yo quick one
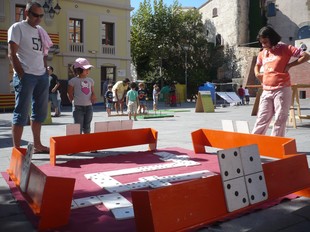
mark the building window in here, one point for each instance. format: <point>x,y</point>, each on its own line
<point>108,76</point>
<point>218,39</point>
<point>214,12</point>
<point>107,33</point>
<point>20,13</point>
<point>271,9</point>
<point>75,30</point>
<point>304,32</point>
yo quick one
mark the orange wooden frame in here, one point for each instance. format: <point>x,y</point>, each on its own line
<point>192,204</point>
<point>52,206</point>
<point>276,147</point>
<point>104,140</point>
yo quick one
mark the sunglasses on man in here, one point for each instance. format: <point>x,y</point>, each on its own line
<point>36,15</point>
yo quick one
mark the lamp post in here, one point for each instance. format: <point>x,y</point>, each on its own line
<point>185,50</point>
<point>50,10</point>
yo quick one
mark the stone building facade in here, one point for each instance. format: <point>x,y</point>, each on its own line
<point>231,23</point>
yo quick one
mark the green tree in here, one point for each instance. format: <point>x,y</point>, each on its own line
<point>164,39</point>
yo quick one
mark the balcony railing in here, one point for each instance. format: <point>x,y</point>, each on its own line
<point>108,49</point>
<point>76,47</point>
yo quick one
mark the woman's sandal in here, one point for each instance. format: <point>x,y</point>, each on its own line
<point>43,150</point>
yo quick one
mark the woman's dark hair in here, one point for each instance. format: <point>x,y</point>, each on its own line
<point>51,68</point>
<point>270,33</point>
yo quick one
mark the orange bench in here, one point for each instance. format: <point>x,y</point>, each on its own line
<point>7,101</point>
<point>42,193</point>
<point>69,144</point>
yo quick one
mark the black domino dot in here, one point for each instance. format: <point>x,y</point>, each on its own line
<point>264,194</point>
<point>226,173</point>
<point>252,197</point>
<point>251,158</point>
<point>223,156</point>
<point>238,170</point>
<point>243,200</point>
<point>228,186</point>
<point>260,177</point>
<point>250,180</point>
<point>236,193</point>
<point>235,153</point>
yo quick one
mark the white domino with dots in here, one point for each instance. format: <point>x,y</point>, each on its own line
<point>235,194</point>
<point>87,201</point>
<point>114,200</point>
<point>242,171</point>
<point>123,213</point>
<point>230,163</point>
<point>256,187</point>
<point>254,175</point>
<point>250,159</point>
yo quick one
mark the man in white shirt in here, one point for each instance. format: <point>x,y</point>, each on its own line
<point>30,80</point>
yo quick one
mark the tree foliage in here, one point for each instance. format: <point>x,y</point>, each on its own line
<point>162,37</point>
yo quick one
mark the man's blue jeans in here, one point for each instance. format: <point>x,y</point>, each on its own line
<point>30,89</point>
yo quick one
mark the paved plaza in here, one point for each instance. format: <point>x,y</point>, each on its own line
<point>174,131</point>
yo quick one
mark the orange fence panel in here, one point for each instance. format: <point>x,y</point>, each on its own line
<point>276,147</point>
<point>104,140</point>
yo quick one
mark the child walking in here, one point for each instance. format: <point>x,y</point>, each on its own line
<point>156,92</point>
<point>132,101</point>
<point>142,98</point>
<point>82,95</point>
<point>109,99</point>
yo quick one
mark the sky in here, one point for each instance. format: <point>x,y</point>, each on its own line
<point>184,3</point>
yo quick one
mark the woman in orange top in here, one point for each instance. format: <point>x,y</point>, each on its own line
<point>271,69</point>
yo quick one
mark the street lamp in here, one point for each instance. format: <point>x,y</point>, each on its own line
<point>50,10</point>
<point>186,48</point>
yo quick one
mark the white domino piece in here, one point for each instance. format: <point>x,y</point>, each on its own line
<point>117,189</point>
<point>186,176</point>
<point>73,129</point>
<point>105,181</point>
<point>100,127</point>
<point>243,127</point>
<point>235,194</point>
<point>228,125</point>
<point>123,213</point>
<point>154,181</point>
<point>74,205</point>
<point>114,125</point>
<point>230,163</point>
<point>87,201</point>
<point>114,200</point>
<point>137,185</point>
<point>250,159</point>
<point>126,124</point>
<point>256,187</point>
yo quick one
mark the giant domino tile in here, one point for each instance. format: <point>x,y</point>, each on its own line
<point>243,177</point>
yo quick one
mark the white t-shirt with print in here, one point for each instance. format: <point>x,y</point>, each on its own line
<point>30,51</point>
